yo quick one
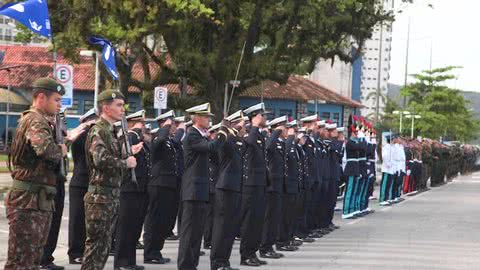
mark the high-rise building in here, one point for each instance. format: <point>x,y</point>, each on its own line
<point>8,31</point>
<point>376,67</point>
<point>336,76</point>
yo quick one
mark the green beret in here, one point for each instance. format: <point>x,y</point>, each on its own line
<point>110,95</point>
<point>49,84</point>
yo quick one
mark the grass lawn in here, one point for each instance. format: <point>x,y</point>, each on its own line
<point>3,163</point>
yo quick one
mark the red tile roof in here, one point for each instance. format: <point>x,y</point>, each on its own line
<point>37,61</point>
<point>300,89</point>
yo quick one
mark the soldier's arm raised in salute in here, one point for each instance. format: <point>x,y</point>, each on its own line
<point>40,136</point>
<point>198,143</point>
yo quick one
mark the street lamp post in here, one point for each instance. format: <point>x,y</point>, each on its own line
<point>97,72</point>
<point>413,117</point>
<point>401,113</point>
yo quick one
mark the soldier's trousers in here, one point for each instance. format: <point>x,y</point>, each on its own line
<point>76,222</point>
<point>100,218</point>
<point>272,220</point>
<point>310,207</point>
<point>52,239</point>
<point>28,231</point>
<point>129,227</point>
<point>207,235</point>
<point>193,225</point>
<point>349,198</point>
<point>160,219</point>
<point>386,187</point>
<point>252,218</point>
<point>363,195</point>
<point>225,223</point>
<point>288,219</point>
<point>397,185</point>
<point>322,203</point>
<point>332,201</point>
<point>300,225</point>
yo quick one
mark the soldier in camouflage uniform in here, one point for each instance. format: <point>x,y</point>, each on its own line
<point>33,159</point>
<point>107,166</point>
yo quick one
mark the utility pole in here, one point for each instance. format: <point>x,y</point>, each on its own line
<point>379,79</point>
<point>406,61</point>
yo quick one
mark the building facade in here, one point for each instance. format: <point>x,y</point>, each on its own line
<point>376,67</point>
<point>336,76</point>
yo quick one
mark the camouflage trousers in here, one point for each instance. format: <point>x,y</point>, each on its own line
<point>28,232</point>
<point>100,218</point>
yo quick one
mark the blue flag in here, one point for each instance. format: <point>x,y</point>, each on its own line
<point>32,13</point>
<point>108,54</point>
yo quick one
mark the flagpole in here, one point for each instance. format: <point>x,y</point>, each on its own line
<point>54,55</point>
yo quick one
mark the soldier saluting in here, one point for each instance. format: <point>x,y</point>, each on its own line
<point>195,184</point>
<point>33,159</point>
<point>107,166</point>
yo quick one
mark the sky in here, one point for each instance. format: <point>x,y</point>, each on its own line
<point>450,28</point>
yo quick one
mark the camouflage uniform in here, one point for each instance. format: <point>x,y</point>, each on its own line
<point>29,203</point>
<point>106,165</point>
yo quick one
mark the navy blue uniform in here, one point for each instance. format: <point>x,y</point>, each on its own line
<point>253,194</point>
<point>133,205</point>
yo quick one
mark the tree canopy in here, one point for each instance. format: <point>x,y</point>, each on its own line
<point>199,42</point>
<point>444,111</point>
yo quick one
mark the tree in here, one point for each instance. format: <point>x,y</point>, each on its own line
<point>388,121</point>
<point>444,111</point>
<point>199,42</point>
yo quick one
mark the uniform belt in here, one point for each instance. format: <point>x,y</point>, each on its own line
<point>103,190</point>
<point>34,187</point>
<point>362,159</point>
<point>352,159</point>
<point>372,160</point>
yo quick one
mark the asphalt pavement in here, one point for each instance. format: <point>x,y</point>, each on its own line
<point>438,229</point>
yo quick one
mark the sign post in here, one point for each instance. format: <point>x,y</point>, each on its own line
<point>64,75</point>
<point>161,96</point>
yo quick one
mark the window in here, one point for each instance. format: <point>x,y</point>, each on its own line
<point>87,105</point>
<point>325,115</point>
<point>2,20</point>
<point>286,112</point>
<point>8,34</point>
<point>336,118</point>
<point>272,115</point>
<point>74,109</point>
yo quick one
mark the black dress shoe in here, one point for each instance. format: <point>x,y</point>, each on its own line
<point>326,230</point>
<point>172,237</point>
<point>159,260</point>
<point>52,266</point>
<point>139,245</point>
<point>333,226</point>
<point>287,248</point>
<point>250,262</point>
<point>227,268</point>
<point>261,262</point>
<point>296,243</point>
<point>75,260</point>
<point>270,255</point>
<point>130,267</point>
<point>307,240</point>
<point>315,235</point>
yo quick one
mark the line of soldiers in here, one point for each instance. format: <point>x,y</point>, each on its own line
<point>272,184</point>
<point>408,164</point>
<point>359,168</point>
